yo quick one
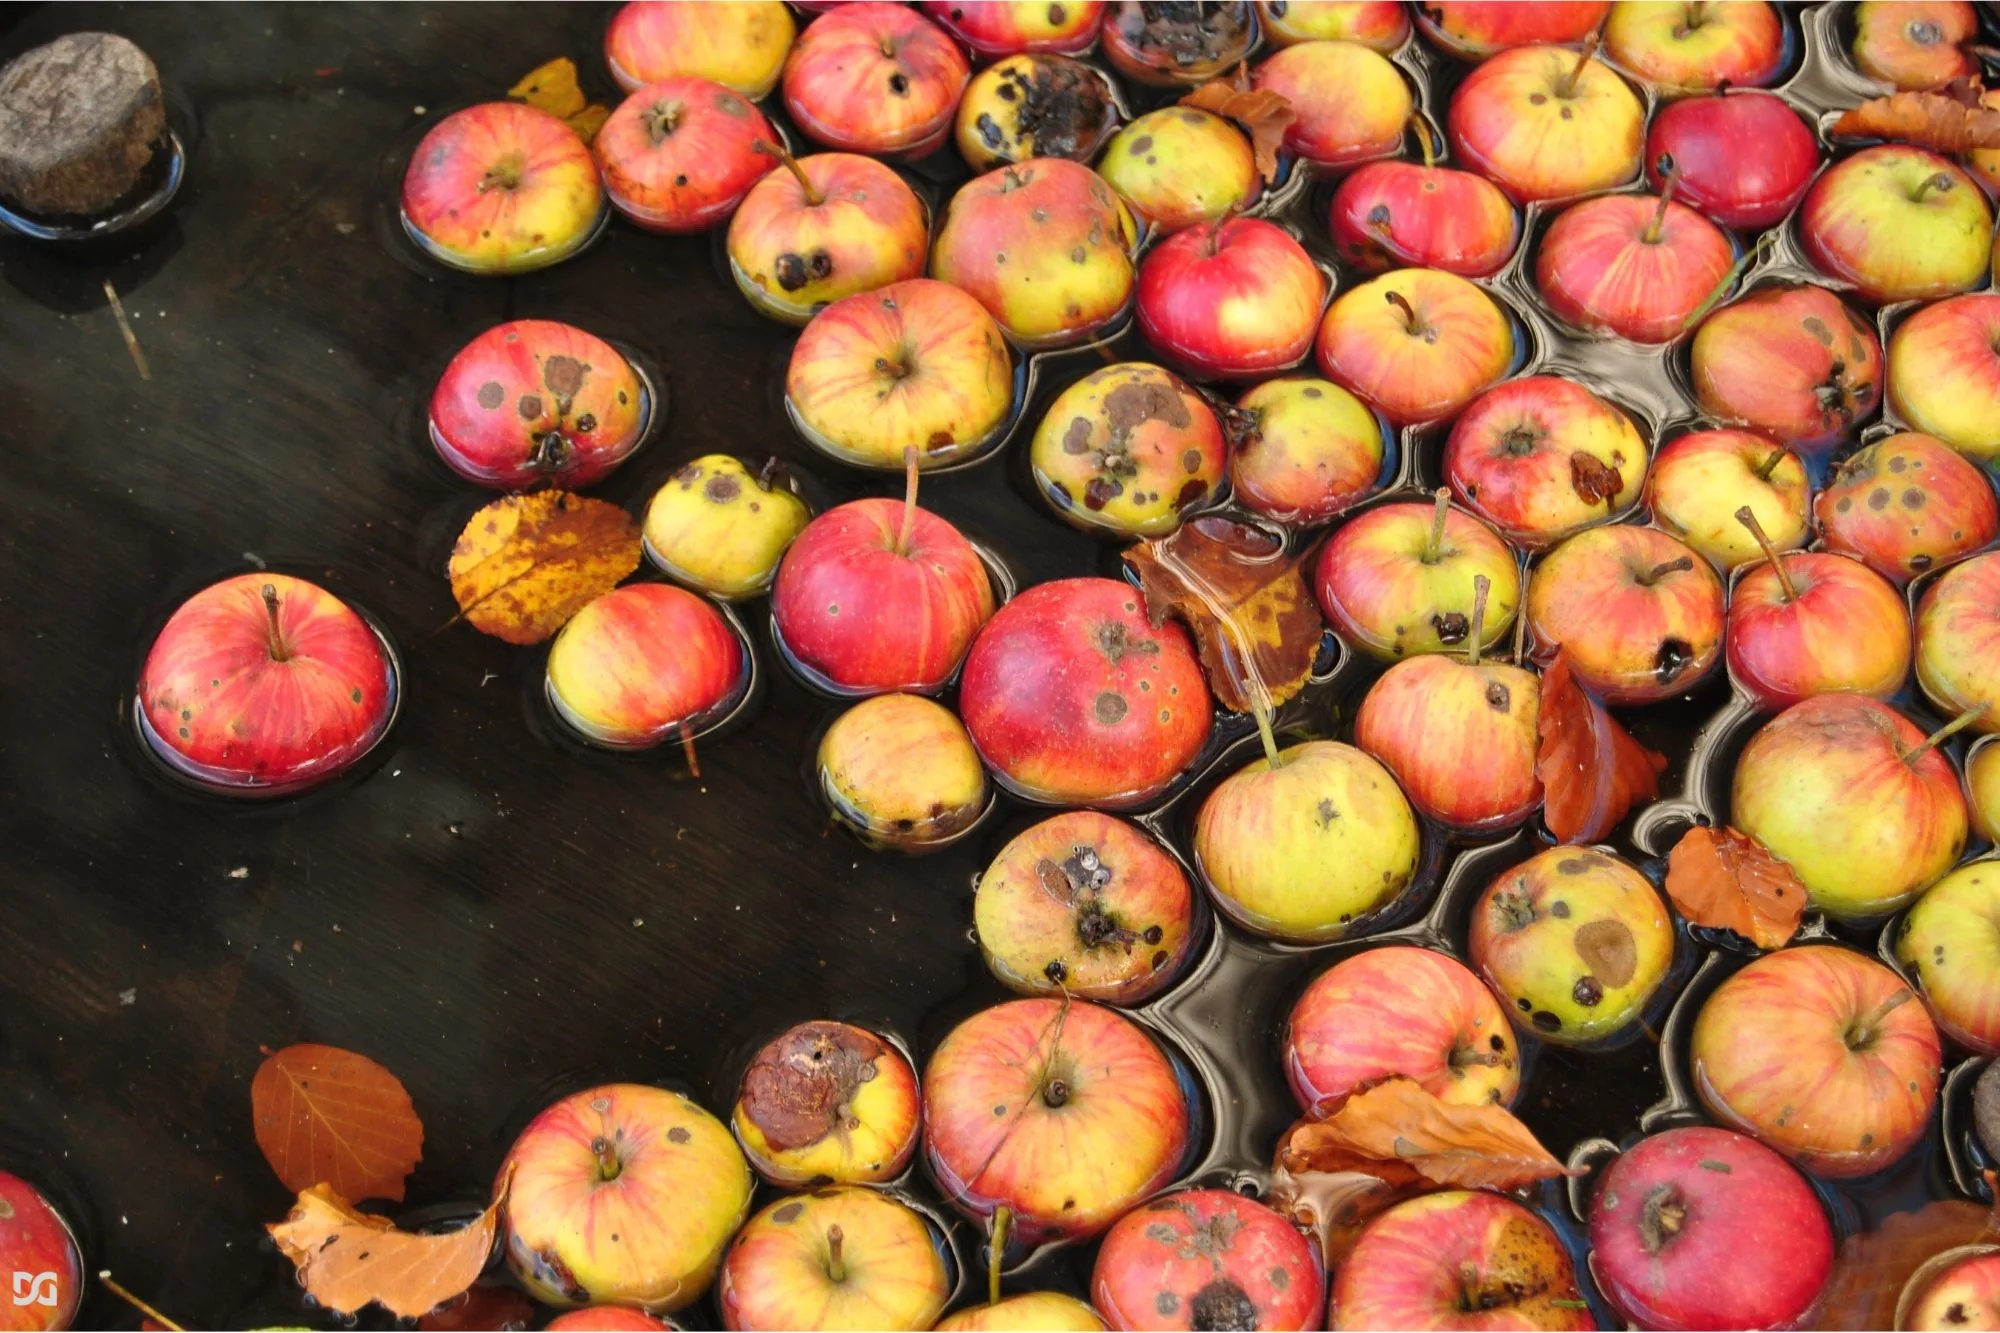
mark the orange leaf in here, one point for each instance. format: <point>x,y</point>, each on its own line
<point>1952,121</point>
<point>1263,114</point>
<point>553,88</point>
<point>347,1259</point>
<point>525,564</point>
<point>1872,1267</point>
<point>1399,1122</point>
<point>1592,772</point>
<point>1726,880</point>
<point>1335,1192</point>
<point>324,1114</point>
<point>1253,618</point>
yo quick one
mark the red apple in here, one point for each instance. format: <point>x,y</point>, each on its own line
<point>1816,623</point>
<point>680,154</point>
<point>1699,481</point>
<point>826,1101</point>
<point>1007,27</point>
<point>1235,299</point>
<point>1208,1259</point>
<point>1170,45</point>
<point>1543,457</point>
<point>1303,450</point>
<point>1907,504</point>
<point>1631,265</point>
<point>1394,214</point>
<point>873,77</point>
<point>828,226</point>
<point>1958,1289</point>
<point>1958,629</point>
<point>41,1257</point>
<point>1351,103</point>
<point>740,46</point>
<point>1944,373</point>
<point>1639,615</point>
<point>1745,158</point>
<point>1380,25</point>
<point>1403,578</point>
<point>1477,28</point>
<point>501,188</point>
<point>1900,223</point>
<point>1127,450</point>
<point>263,684</point>
<point>606,1319</point>
<point>1696,46</point>
<point>1791,360</point>
<point>1948,945</point>
<point>1417,344</point>
<point>1544,123</point>
<point>838,1258</point>
<point>644,663</point>
<point>1915,46</point>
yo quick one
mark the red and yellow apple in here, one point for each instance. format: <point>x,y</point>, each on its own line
<point>644,663</point>
<point>1631,265</point>
<point>1958,1289</point>
<point>1476,28</point>
<point>1208,1258</point>
<point>533,402</point>
<point>1303,450</point>
<point>1958,635</point>
<point>1351,104</point>
<point>1401,214</point>
<point>720,528</point>
<point>1235,299</point>
<point>740,46</point>
<point>1417,344</point>
<point>501,188</point>
<point>874,77</point>
<point>828,226</point>
<point>1816,623</point>
<point>1697,46</point>
<point>1033,105</point>
<point>1906,504</point>
<point>1944,373</point>
<point>1916,46</point>
<point>1699,481</point>
<point>40,1254</point>
<point>1639,615</point>
<point>1180,165</point>
<point>1789,359</point>
<point>1900,223</point>
<point>1543,122</point>
<point>838,1258</point>
<point>1982,788</point>
<point>1007,27</point>
<point>1128,449</point>
<point>1542,458</point>
<point>679,155</point>
<point>1948,944</point>
<point>1380,25</point>
<point>900,771</point>
<point>826,1101</point>
<point>1403,578</point>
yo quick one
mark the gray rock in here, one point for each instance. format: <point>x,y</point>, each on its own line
<point>1986,1109</point>
<point>78,122</point>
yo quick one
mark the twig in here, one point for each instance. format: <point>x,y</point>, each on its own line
<point>125,328</point>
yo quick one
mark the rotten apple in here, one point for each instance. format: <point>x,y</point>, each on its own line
<point>1033,105</point>
<point>826,1101</point>
<point>1906,504</point>
<point>1235,299</point>
<point>900,771</point>
<point>1403,578</point>
<point>1547,123</point>
<point>501,188</point>
<point>679,155</point>
<point>644,663</point>
<point>1416,344</point>
<point>1303,450</point>
<point>1699,481</point>
<point>1128,450</point>
<point>1208,1258</point>
<point>1542,458</point>
<point>740,46</point>
<point>1916,46</point>
<point>828,226</point>
<point>1789,359</point>
<point>838,1258</point>
<point>1639,615</point>
<point>720,528</point>
<point>874,77</point>
<point>1177,44</point>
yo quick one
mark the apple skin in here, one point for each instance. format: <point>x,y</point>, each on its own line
<point>740,46</point>
<point>1352,104</point>
<point>782,1272</point>
<point>1915,46</point>
<point>1699,481</point>
<point>914,365</point>
<point>1304,450</point>
<point>1208,1258</point>
<point>1696,48</point>
<point>791,257</point>
<point>1948,945</point>
<point>1517,121</point>
<point>1299,852</point>
<point>532,401</point>
<point>1380,25</point>
<point>720,528</point>
<point>1177,47</point>
<point>1847,632</point>
<point>1033,105</point>
<point>1074,699</point>
<point>1401,214</point>
<point>1095,1118</point>
<point>1775,1055</point>
<point>1128,449</point>
<point>1086,905</point>
<point>1420,1264</point>
<point>501,188</point>
<point>1700,1228</point>
<point>219,706</point>
<point>35,1240</point>
<point>1944,373</point>
<point>1639,613</point>
<point>1179,166</point>
<point>1907,504</point>
<point>679,1189</point>
<point>1461,739</point>
<point>1011,236</point>
<point>900,771</point>
<point>1400,1010</point>
<point>1029,1312</point>
<point>1515,458</point>
<point>644,663</point>
<point>1237,299</point>
<point>1379,591</point>
<point>1900,223</point>
<point>994,28</point>
<point>678,155</point>
<point>1791,360</point>
<point>1958,1289</point>
<point>1745,158</point>
<point>873,77</point>
<point>826,1101</point>
<point>866,618</point>
<point>1958,633</point>
<point>606,1319</point>
<point>1422,370</point>
<point>1982,789</point>
<point>1477,28</point>
<point>1603,269</point>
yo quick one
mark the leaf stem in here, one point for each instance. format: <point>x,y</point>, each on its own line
<point>1748,518</point>
<point>1481,585</point>
<point>1262,712</point>
<point>996,1251</point>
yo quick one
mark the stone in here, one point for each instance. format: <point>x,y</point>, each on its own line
<point>79,121</point>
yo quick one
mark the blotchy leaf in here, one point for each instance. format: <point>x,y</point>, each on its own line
<point>1592,772</point>
<point>1399,1122</point>
<point>1727,880</point>
<point>347,1259</point>
<point>1952,121</point>
<point>553,88</point>
<point>1872,1267</point>
<point>1333,1191</point>
<point>1264,115</point>
<point>324,1114</point>
<point>1254,621</point>
<point>526,564</point>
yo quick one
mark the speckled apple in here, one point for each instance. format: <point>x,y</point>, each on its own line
<point>1177,46</point>
<point>1790,359</point>
<point>721,528</point>
<point>1544,123</point>
<point>1208,1258</point>
<point>874,77</point>
<point>1128,450</point>
<point>1639,615</point>
<point>1180,165</point>
<point>679,155</point>
<point>1906,504</point>
<point>533,402</point>
<point>827,226</point>
<point>1401,579</point>
<point>1543,457</point>
<point>501,188</point>
<point>1303,450</point>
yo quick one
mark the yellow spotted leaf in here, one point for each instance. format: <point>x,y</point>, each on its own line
<point>554,88</point>
<point>345,1258</point>
<point>527,563</point>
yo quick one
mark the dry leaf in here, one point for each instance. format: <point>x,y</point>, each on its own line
<point>1726,880</point>
<point>554,88</point>
<point>1263,114</point>
<point>1398,1121</point>
<point>1253,617</point>
<point>1872,1267</point>
<point>347,1259</point>
<point>1334,1192</point>
<point>1592,772</point>
<point>1951,121</point>
<point>324,1114</point>
<point>526,564</point>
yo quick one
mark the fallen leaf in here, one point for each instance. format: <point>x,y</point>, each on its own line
<point>347,1259</point>
<point>1951,121</point>
<point>1592,772</point>
<point>1872,1267</point>
<point>1254,620</point>
<point>1726,880</point>
<point>1264,115</point>
<point>324,1114</point>
<point>525,564</point>
<point>553,88</point>
<point>1399,1122</point>
<point>1334,1192</point>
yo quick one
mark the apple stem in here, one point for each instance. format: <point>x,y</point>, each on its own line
<point>1434,547</point>
<point>607,1158</point>
<point>1425,140</point>
<point>1670,173</point>
<point>1946,732</point>
<point>835,1269</point>
<point>1938,181</point>
<point>1402,303</point>
<point>1748,518</point>
<point>996,1251</point>
<point>1863,1032</point>
<point>813,197</point>
<point>909,528</point>
<point>280,652</point>
<point>1679,565</point>
<point>1270,739</point>
<point>1770,465</point>
<point>104,1280</point>
<point>1481,585</point>
<point>1567,88</point>
<point>687,749</point>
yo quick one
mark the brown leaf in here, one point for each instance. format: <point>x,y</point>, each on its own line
<point>1951,121</point>
<point>1334,1192</point>
<point>1253,618</point>
<point>1592,772</point>
<point>347,1259</point>
<point>554,88</point>
<point>1399,1122</point>
<point>1263,114</point>
<point>525,564</point>
<point>1727,880</point>
<point>1872,1267</point>
<point>324,1114</point>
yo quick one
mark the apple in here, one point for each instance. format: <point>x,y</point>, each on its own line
<point>1816,623</point>
<point>1416,344</point>
<point>1915,46</point>
<point>1208,1258</point>
<point>1948,945</point>
<point>37,1244</point>
<point>1180,166</point>
<point>826,1101</point>
<point>1303,450</point>
<point>1631,265</point>
<point>534,402</point>
<point>899,770</point>
<point>1906,504</point>
<point>1128,449</point>
<point>643,663</point>
<point>1957,1289</point>
<point>1958,629</point>
<point>606,1319</point>
<point>1033,105</point>
<point>1029,1312</point>
<point>1351,103</point>
<point>741,46</point>
<point>1012,239</point>
<point>1697,46</point>
<point>1789,359</point>
<point>501,188</point>
<point>1403,578</point>
<point>1458,1259</point>
<point>1815,1051</point>
<point>1171,45</point>
<point>1745,158</point>
<point>1639,614</point>
<point>720,528</point>
<point>1698,482</point>
<point>1403,1011</point>
<point>1073,698</point>
<point>828,226</point>
<point>1542,458</point>
<point>1701,1228</point>
<point>621,1195</point>
<point>1545,123</point>
<point>874,77</point>
<point>1982,788</point>
<point>1857,800</point>
<point>1087,905</point>
<point>1380,25</point>
<point>1061,1112</point>
<point>1398,214</point>
<point>1477,28</point>
<point>837,1258</point>
<point>1235,299</point>
<point>679,155</point>
<point>1898,222</point>
<point>1944,373</point>
<point>1303,843</point>
<point>264,684</point>
<point>1008,27</point>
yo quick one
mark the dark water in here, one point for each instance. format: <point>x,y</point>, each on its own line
<point>498,913</point>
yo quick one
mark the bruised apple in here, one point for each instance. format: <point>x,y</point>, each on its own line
<point>1791,360</point>
<point>1127,450</point>
<point>827,226</point>
<point>1034,105</point>
<point>1906,504</point>
<point>1403,578</point>
<point>720,528</point>
<point>826,1101</point>
<point>1208,1258</point>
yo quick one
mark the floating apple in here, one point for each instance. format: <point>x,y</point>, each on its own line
<point>1351,103</point>
<point>1944,373</point>
<point>1303,450</point>
<point>1380,25</point>
<point>501,188</point>
<point>263,684</point>
<point>1697,46</point>
<point>1631,265</point>
<point>1029,1312</point>
<point>1791,360</point>
<point>1639,615</point>
<point>874,77</point>
<point>1982,788</point>
<point>1816,623</point>
<point>826,1101</point>
<point>1745,158</point>
<point>1900,223</point>
<point>1235,299</point>
<point>1397,214</point>
<point>1698,483</point>
<point>900,771</point>
<point>606,1319</point>
<point>1957,1289</point>
<point>1958,630</point>
<point>1403,578</point>
<point>1543,457</point>
<point>836,1258</point>
<point>1208,1259</point>
<point>1949,947</point>
<point>1179,166</point>
<point>1417,344</point>
<point>1915,46</point>
<point>720,528</point>
<point>827,226</point>
<point>1476,28</point>
<point>1906,504</point>
<point>680,154</point>
<point>1169,45</point>
<point>740,46</point>
<point>36,1244</point>
<point>1546,123</point>
<point>1128,450</point>
<point>1007,27</point>
<point>1033,105</point>
<point>643,663</point>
